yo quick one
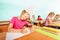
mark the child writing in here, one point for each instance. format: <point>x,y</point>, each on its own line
<point>48,21</point>
<point>17,24</point>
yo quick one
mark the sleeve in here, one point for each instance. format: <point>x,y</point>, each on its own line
<point>37,18</point>
<point>41,19</point>
<point>49,19</point>
<point>27,23</point>
<point>12,20</point>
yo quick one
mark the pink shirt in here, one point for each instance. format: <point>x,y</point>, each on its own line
<point>47,22</point>
<point>18,24</point>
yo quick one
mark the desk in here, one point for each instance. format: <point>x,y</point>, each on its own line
<point>57,26</point>
<point>11,36</point>
<point>2,35</point>
<point>35,36</point>
<point>4,26</point>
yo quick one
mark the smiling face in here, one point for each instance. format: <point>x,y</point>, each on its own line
<point>25,16</point>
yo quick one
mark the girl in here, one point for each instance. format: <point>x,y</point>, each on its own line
<point>17,24</point>
<point>49,19</point>
<point>56,18</point>
<point>41,21</point>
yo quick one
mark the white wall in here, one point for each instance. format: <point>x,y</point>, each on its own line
<point>10,8</point>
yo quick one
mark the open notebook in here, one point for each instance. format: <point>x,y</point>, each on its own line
<point>14,35</point>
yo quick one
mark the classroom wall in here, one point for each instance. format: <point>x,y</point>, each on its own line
<point>10,8</point>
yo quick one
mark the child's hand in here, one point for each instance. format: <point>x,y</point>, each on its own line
<point>30,25</point>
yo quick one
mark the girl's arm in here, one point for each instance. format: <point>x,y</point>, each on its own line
<point>11,29</point>
<point>50,21</point>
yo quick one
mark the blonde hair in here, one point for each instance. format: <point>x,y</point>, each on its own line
<point>24,11</point>
<point>51,13</point>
